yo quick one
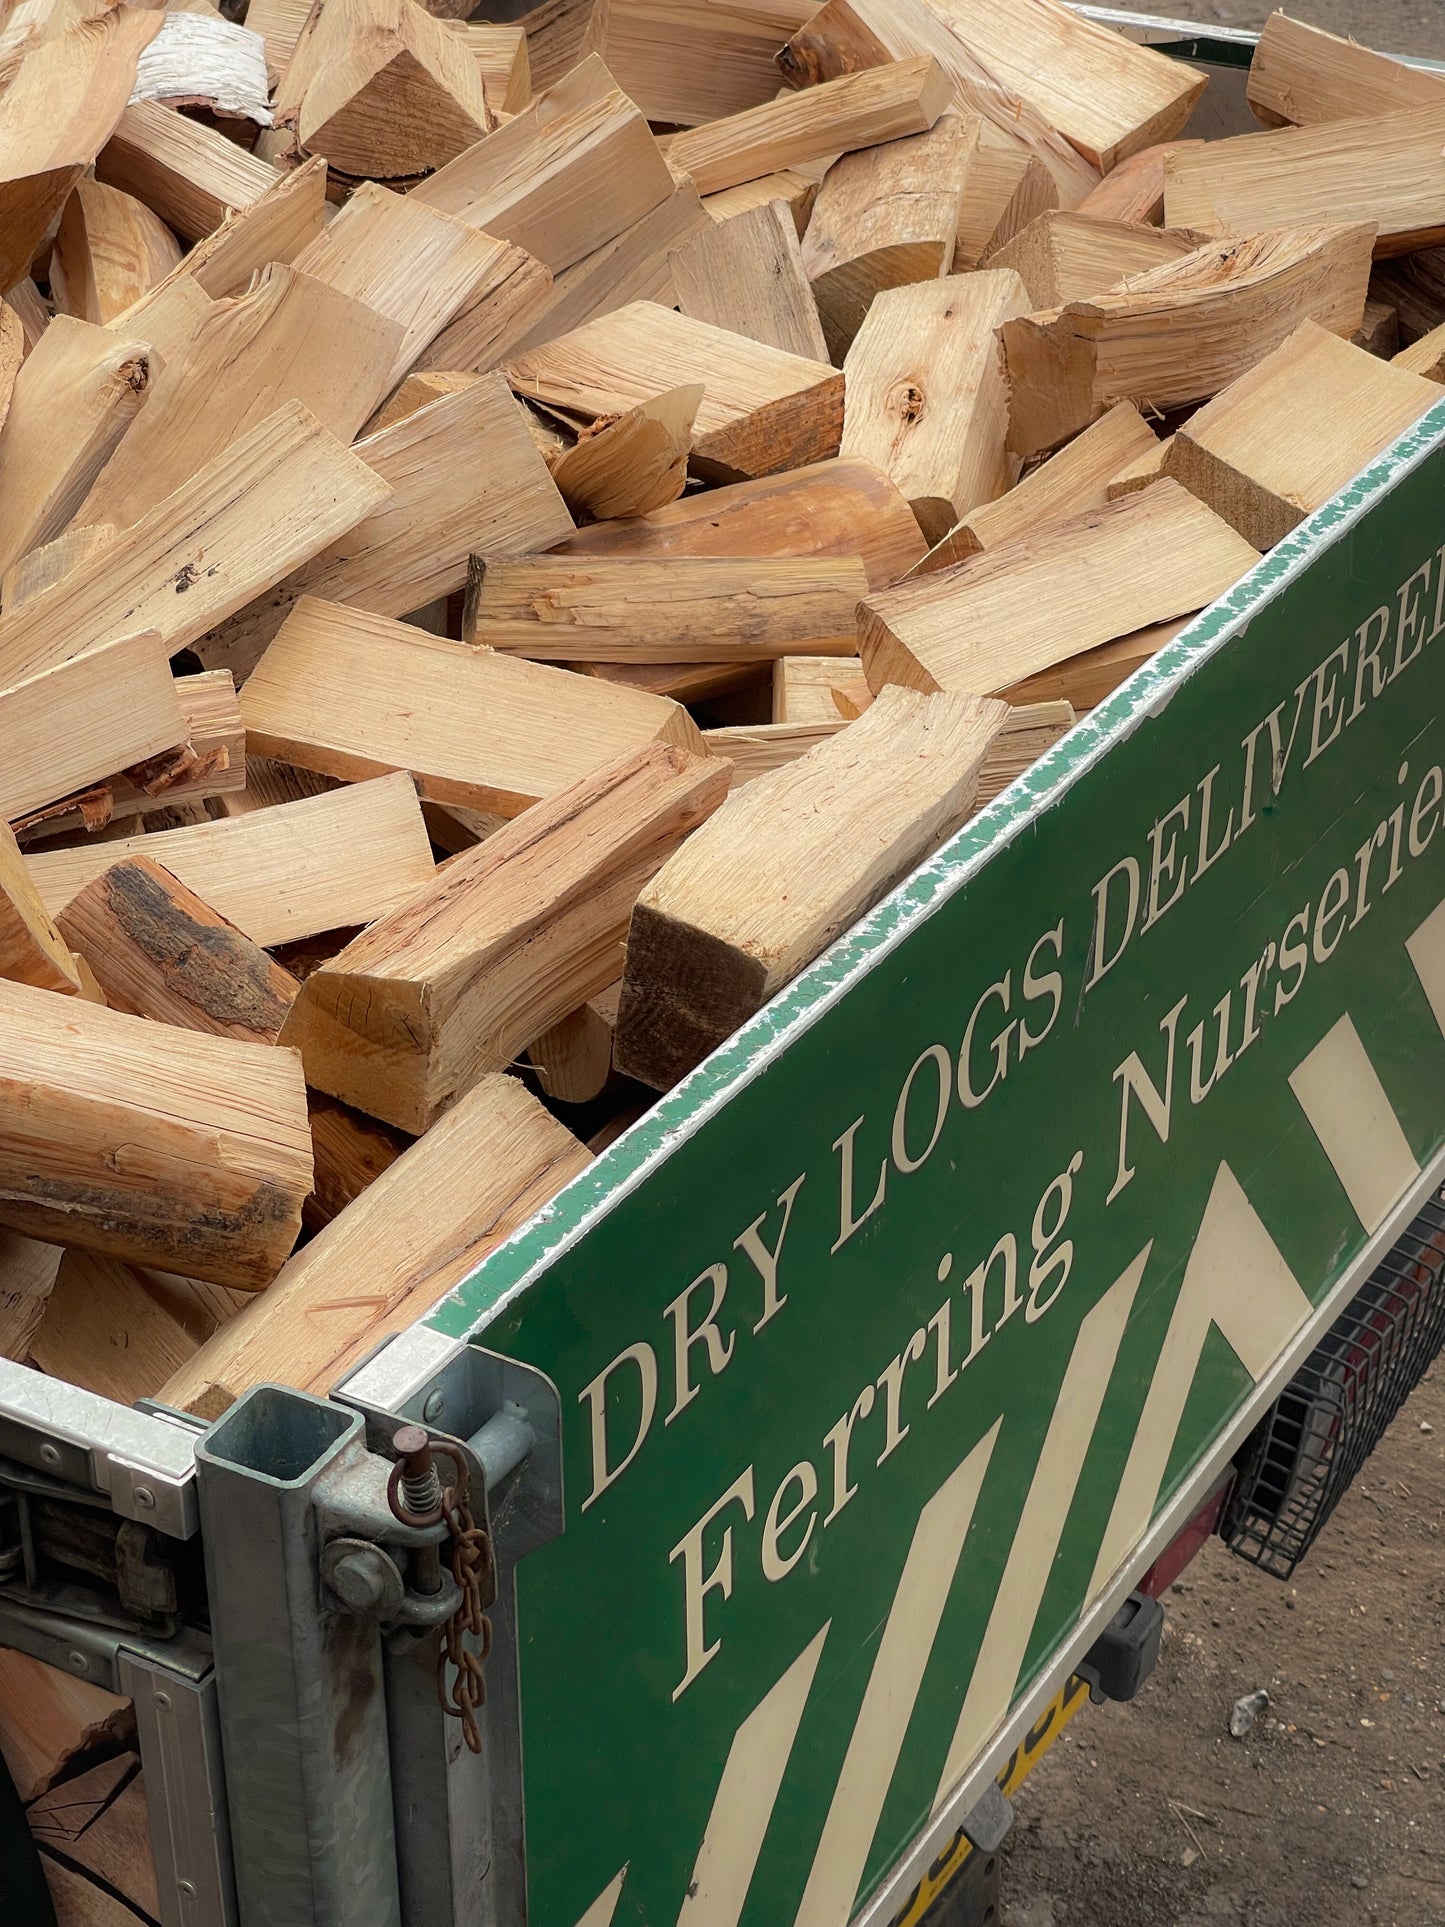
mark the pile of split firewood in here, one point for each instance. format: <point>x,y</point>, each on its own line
<point>514,536</point>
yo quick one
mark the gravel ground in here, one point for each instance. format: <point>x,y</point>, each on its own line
<point>1395,26</point>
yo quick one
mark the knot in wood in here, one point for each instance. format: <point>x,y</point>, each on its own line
<point>907,401</point>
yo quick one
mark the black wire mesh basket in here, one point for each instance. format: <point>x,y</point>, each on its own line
<point>1297,1464</point>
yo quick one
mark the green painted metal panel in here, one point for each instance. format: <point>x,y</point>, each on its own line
<point>881,1342</point>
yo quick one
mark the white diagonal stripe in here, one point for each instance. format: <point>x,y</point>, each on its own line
<point>898,1668</point>
<point>600,1913</point>
<point>1236,1279</point>
<point>746,1796</point>
<point>1351,1116</point>
<point>1041,1524</point>
<point>1427,953</point>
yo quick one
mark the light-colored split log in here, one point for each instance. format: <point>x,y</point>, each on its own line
<point>1278,442</point>
<point>13,350</point>
<point>476,1177</point>
<point>762,410</point>
<point>796,191</point>
<point>817,689</point>
<point>218,1154</point>
<point>49,1719</point>
<point>350,1151</point>
<point>277,496</point>
<point>75,396</point>
<point>160,951</point>
<point>927,397</point>
<point>851,34</point>
<point>121,1330</point>
<point>1379,332</point>
<point>688,61</point>
<point>61,107</point>
<point>1083,681</point>
<point>1425,356</point>
<point>409,262</point>
<point>26,302</point>
<point>391,93</point>
<point>513,935</point>
<point>27,1277</point>
<point>168,316</point>
<point>513,295</point>
<point>109,251</point>
<point>1134,190</point>
<point>502,60</point>
<point>884,217</point>
<point>746,275</point>
<point>784,867</point>
<point>42,567</point>
<point>279,23</point>
<point>415,392</point>
<point>1180,333</point>
<point>1006,187</point>
<point>635,265</point>
<point>189,175</point>
<point>682,609</point>
<point>32,950</point>
<point>98,1821</point>
<point>633,464</point>
<point>478,728</point>
<point>1138,474</point>
<point>843,507</point>
<point>685,682</point>
<point>290,339</point>
<point>856,110</point>
<point>573,1057</point>
<point>1301,75</point>
<point>1388,169</point>
<point>462,471</point>
<point>328,862</point>
<point>1415,286</point>
<point>1068,257</point>
<point>81,720</point>
<point>560,34</point>
<point>1030,728</point>
<point>1013,611</point>
<point>1075,479</point>
<point>563,178</point>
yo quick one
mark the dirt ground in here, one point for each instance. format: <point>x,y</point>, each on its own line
<point>1394,26</point>
<point>1331,1812</point>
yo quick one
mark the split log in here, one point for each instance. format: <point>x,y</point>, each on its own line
<point>685,682</point>
<point>61,107</point>
<point>515,294</point>
<point>461,471</point>
<point>514,934</point>
<point>856,110</point>
<point>1134,190</point>
<point>927,398</point>
<point>573,1057</point>
<point>269,782</point>
<point>1006,187</point>
<point>1075,479</point>
<point>1282,439</point>
<point>413,264</point>
<point>392,93</point>
<point>42,567</point>
<point>843,507</point>
<point>109,251</point>
<point>119,1330</point>
<point>1389,169</point>
<point>99,1822</point>
<point>415,392</point>
<point>167,317</point>
<point>1013,611</point>
<point>560,34</point>
<point>885,217</point>
<point>478,728</point>
<point>188,174</point>
<point>28,1271</point>
<point>32,950</point>
<point>1180,333</point>
<point>784,868</point>
<point>1139,473</point>
<point>1414,285</point>
<point>273,227</point>
<point>218,1155</point>
<point>754,749</point>
<point>563,178</point>
<point>762,410</point>
<point>81,720</point>
<point>289,339</point>
<point>1029,729</point>
<point>680,609</point>
<point>1379,332</point>
<point>496,1158</point>
<point>13,351</point>
<point>1081,682</point>
<point>74,398</point>
<point>1301,75</point>
<point>80,1901</point>
<point>796,191</point>
<point>350,1151</point>
<point>687,61</point>
<point>279,23</point>
<point>746,275</point>
<point>1068,257</point>
<point>26,302</point>
<point>49,1720</point>
<point>1425,356</point>
<point>277,496</point>
<point>160,951</point>
<point>328,862</point>
<point>635,265</point>
<point>851,34</point>
<point>504,63</point>
<point>633,464</point>
<point>817,689</point>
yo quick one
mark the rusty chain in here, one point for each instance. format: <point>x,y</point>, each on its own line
<point>475,1573</point>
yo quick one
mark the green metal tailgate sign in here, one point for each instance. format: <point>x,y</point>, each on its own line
<point>884,1340</point>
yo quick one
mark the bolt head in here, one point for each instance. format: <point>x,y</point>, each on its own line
<point>78,1662</point>
<point>364,1578</point>
<point>162,1700</point>
<point>143,1496</point>
<point>50,1455</point>
<point>187,1887</point>
<point>434,1407</point>
<point>408,1439</point>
